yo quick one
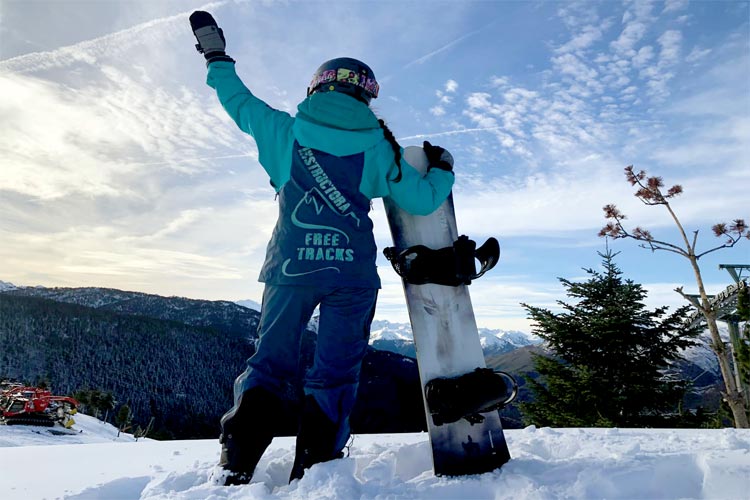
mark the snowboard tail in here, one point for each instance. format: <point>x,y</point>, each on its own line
<point>476,453</point>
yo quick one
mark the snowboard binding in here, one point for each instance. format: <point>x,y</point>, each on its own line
<point>450,266</point>
<point>467,396</point>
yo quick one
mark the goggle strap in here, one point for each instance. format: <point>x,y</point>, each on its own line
<point>344,75</point>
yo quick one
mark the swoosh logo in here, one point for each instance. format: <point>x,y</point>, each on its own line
<point>293,275</point>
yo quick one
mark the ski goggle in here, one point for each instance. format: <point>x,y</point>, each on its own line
<point>343,75</point>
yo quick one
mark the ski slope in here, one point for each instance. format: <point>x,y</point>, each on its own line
<point>547,464</point>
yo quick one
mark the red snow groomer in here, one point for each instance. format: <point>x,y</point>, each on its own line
<point>20,405</point>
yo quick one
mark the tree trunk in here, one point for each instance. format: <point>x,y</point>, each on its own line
<point>732,395</point>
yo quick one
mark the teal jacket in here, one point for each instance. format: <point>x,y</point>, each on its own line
<point>305,154</point>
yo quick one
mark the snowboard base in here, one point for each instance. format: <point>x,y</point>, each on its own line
<point>446,338</point>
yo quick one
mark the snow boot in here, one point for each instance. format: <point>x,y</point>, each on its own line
<point>246,432</point>
<point>316,439</point>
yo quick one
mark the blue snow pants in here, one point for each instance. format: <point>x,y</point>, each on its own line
<point>343,335</point>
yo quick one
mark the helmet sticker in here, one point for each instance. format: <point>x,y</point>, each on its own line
<point>347,76</point>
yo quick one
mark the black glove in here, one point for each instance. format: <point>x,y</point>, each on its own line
<point>211,42</point>
<point>438,157</point>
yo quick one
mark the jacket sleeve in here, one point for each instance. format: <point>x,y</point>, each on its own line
<point>420,194</point>
<point>416,193</point>
<point>271,128</point>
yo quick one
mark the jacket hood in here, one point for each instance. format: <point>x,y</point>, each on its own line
<point>337,124</point>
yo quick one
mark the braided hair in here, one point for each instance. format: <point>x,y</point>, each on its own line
<point>395,145</point>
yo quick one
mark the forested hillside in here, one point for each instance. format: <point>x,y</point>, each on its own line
<point>219,315</point>
<point>178,373</point>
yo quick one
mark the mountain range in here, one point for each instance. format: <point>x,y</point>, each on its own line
<point>398,338</point>
<point>175,358</point>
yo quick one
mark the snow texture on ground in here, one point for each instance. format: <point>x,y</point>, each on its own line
<point>547,464</point>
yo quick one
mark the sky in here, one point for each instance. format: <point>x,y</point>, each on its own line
<point>118,167</point>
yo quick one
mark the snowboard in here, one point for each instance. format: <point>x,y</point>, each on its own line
<point>446,340</point>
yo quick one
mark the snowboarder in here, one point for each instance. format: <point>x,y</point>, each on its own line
<point>326,164</point>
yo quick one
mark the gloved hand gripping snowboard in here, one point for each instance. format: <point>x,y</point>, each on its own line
<point>449,266</point>
<point>211,41</point>
<point>438,157</point>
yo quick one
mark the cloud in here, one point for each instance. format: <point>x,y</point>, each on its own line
<point>451,86</point>
<point>56,142</point>
<point>112,45</point>
<point>674,5</point>
<point>584,39</point>
<point>437,111</point>
<point>671,44</point>
<point>577,14</point>
<point>498,81</point>
<point>697,54</point>
<point>569,64</point>
<point>93,117</point>
<point>631,34</point>
<point>644,55</point>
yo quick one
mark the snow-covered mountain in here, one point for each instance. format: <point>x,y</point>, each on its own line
<point>397,337</point>
<point>249,303</point>
<point>500,341</point>
<point>4,286</point>
<point>383,330</point>
<point>703,356</point>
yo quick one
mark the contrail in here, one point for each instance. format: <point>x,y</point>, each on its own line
<point>88,50</point>
<point>447,46</point>
<point>449,132</point>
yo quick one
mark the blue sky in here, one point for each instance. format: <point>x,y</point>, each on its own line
<point>119,169</point>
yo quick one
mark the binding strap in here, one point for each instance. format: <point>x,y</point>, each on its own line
<point>450,266</point>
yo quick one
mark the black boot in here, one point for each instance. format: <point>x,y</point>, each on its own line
<point>246,432</point>
<point>316,439</point>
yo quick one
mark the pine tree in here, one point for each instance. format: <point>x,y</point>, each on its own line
<point>123,419</point>
<point>610,353</point>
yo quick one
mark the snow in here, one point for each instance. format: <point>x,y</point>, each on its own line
<point>702,355</point>
<point>385,330</point>
<point>507,340</point>
<point>87,430</point>
<point>249,303</point>
<point>5,286</point>
<point>547,464</point>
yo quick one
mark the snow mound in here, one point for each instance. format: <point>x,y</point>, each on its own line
<point>547,464</point>
<point>86,430</point>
